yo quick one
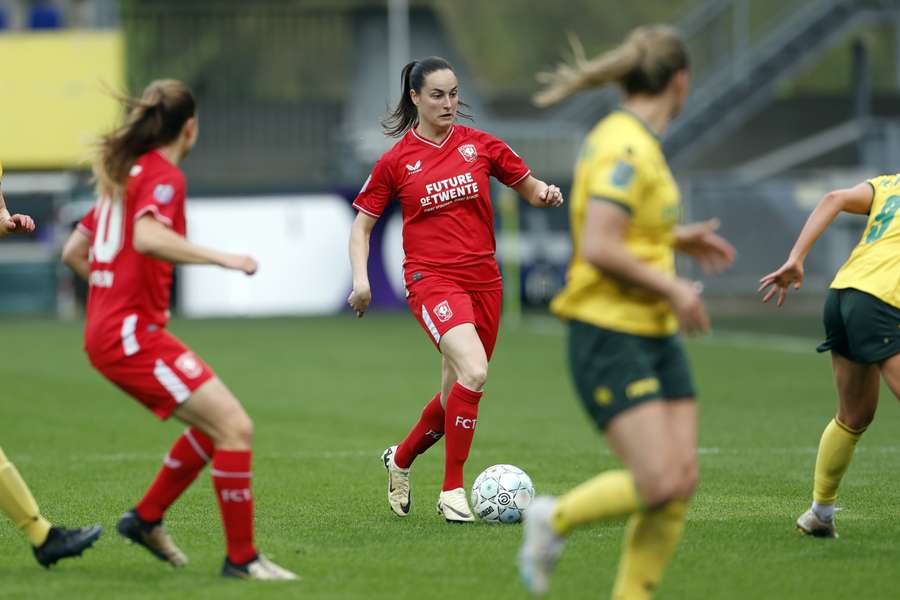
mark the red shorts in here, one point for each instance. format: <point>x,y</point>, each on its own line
<point>161,374</point>
<point>439,305</point>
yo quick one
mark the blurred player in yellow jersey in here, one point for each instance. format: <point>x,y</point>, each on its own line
<point>50,543</point>
<point>624,304</point>
<point>862,328</point>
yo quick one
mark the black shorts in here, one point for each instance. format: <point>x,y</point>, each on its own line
<point>615,371</point>
<point>860,327</point>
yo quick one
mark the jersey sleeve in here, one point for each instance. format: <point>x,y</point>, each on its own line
<point>160,195</point>
<point>376,192</point>
<point>88,223</point>
<point>507,167</point>
<point>614,177</point>
<point>876,182</point>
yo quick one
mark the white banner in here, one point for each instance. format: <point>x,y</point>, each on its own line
<point>300,243</point>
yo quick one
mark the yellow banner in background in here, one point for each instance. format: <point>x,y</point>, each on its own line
<point>52,100</point>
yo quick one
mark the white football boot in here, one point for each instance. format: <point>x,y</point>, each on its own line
<point>454,506</point>
<point>261,569</point>
<point>399,497</point>
<point>541,546</point>
<point>810,524</point>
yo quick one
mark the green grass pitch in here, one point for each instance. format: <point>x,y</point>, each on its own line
<point>327,395</point>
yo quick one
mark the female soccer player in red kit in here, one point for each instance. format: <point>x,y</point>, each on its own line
<point>439,171</point>
<point>126,247</point>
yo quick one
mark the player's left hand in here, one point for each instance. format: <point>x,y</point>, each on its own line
<point>17,224</point>
<point>551,196</point>
<point>700,241</point>
<point>778,282</point>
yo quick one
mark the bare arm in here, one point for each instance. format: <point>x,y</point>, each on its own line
<point>75,254</point>
<point>360,232</point>
<point>539,194</point>
<point>603,246</point>
<point>856,200</point>
<point>152,238</point>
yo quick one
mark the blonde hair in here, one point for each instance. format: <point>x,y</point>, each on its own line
<point>155,119</point>
<point>644,63</point>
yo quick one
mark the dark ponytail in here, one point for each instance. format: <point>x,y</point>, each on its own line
<point>155,119</point>
<point>412,77</point>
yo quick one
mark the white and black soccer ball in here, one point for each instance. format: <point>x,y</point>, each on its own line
<point>501,494</point>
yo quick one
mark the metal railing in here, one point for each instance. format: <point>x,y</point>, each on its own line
<point>270,78</point>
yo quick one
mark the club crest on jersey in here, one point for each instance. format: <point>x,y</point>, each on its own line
<point>187,364</point>
<point>443,312</point>
<point>164,193</point>
<point>468,152</point>
<point>414,168</point>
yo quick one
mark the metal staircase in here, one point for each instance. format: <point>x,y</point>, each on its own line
<point>740,51</point>
<point>735,90</point>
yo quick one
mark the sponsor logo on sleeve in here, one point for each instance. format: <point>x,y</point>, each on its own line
<point>163,193</point>
<point>622,175</point>
<point>443,312</point>
<point>136,170</point>
<point>468,151</point>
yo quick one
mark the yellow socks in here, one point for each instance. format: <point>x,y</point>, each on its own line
<point>650,540</point>
<point>835,452</point>
<point>18,503</point>
<point>610,495</point>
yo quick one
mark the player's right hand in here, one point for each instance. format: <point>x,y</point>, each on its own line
<point>359,299</point>
<point>689,309</point>
<point>241,262</point>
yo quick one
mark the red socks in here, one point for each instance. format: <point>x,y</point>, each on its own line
<point>182,464</point>
<point>423,435</point>
<point>231,479</point>
<point>459,427</point>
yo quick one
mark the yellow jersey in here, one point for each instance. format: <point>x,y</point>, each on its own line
<point>622,162</point>
<point>874,265</point>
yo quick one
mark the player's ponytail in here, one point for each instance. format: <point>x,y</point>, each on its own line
<point>644,63</point>
<point>155,119</point>
<point>412,77</point>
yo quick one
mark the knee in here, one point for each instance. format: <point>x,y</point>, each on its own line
<point>658,488</point>
<point>238,431</point>
<point>474,375</point>
<point>857,420</point>
<point>669,483</point>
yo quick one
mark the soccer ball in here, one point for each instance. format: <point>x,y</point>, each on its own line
<point>501,494</point>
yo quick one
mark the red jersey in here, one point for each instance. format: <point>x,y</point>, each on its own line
<point>129,292</point>
<point>444,192</point>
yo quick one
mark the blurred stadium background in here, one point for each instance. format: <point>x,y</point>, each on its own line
<point>791,98</point>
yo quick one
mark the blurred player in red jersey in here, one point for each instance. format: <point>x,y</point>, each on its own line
<point>126,247</point>
<point>49,543</point>
<point>439,171</point>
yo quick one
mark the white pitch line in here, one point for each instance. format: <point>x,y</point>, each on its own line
<point>734,339</point>
<point>375,454</point>
<point>761,341</point>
